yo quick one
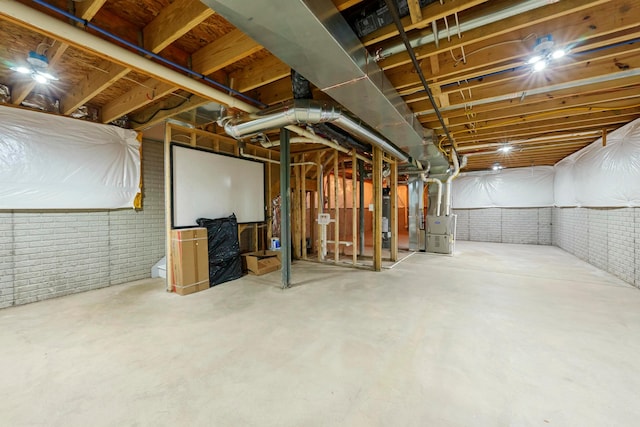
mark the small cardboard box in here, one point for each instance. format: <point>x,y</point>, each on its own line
<point>261,262</point>
<point>190,260</point>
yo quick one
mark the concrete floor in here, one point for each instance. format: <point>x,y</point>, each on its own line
<point>499,335</point>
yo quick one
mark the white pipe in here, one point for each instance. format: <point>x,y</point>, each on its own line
<point>439,195</point>
<point>262,159</point>
<point>74,36</point>
<point>315,140</point>
<point>471,24</point>
<point>456,172</point>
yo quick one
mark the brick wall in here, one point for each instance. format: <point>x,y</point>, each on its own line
<point>53,253</point>
<point>607,238</point>
<point>501,225</point>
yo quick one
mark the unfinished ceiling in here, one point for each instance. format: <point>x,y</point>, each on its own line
<point>475,55</point>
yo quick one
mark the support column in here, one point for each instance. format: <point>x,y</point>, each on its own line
<point>167,205</point>
<point>354,208</point>
<point>336,200</point>
<point>362,207</point>
<point>377,209</point>
<point>285,208</point>
<point>393,223</point>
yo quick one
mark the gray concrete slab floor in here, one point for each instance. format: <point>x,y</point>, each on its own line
<point>498,335</point>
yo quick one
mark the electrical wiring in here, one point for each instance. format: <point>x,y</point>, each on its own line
<point>187,99</point>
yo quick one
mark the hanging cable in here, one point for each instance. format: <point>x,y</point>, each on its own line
<point>396,18</point>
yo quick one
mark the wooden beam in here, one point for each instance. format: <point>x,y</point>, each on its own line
<point>354,208</point>
<point>377,208</point>
<point>92,84</point>
<point>303,207</point>
<point>551,11</point>
<point>136,98</point>
<point>432,12</point>
<point>336,201</point>
<point>414,11</point>
<point>393,222</point>
<point>174,21</point>
<point>224,51</point>
<point>144,122</point>
<point>87,9</point>
<point>259,73</point>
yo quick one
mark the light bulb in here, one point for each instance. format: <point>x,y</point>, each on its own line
<point>496,167</point>
<point>540,65</point>
<point>505,148</point>
<point>558,53</point>
<point>40,78</point>
<point>22,70</point>
<point>534,59</point>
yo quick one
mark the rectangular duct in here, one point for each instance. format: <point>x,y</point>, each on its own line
<point>313,38</point>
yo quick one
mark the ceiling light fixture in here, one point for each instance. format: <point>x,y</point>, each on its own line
<point>37,66</point>
<point>505,148</point>
<point>497,167</point>
<point>544,53</point>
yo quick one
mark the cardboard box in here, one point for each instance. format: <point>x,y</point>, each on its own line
<point>190,260</point>
<point>261,262</point>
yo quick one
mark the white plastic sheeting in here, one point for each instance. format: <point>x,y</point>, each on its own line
<point>598,176</point>
<point>508,188</point>
<point>53,162</point>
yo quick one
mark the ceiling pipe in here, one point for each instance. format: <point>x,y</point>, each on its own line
<point>28,17</point>
<point>306,111</point>
<point>471,24</point>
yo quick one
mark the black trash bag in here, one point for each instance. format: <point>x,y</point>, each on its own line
<point>225,263</point>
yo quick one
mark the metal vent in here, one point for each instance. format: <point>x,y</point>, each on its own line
<point>313,38</point>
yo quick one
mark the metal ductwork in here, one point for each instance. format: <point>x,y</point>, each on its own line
<point>306,111</point>
<point>313,38</point>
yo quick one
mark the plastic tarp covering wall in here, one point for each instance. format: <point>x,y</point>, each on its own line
<point>598,176</point>
<point>509,188</point>
<point>53,162</point>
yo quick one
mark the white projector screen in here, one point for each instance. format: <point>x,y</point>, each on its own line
<point>209,185</point>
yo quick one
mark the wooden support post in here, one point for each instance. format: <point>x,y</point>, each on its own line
<point>296,212</point>
<point>167,205</point>
<point>393,226</point>
<point>269,206</point>
<point>303,208</point>
<point>377,209</point>
<point>354,209</point>
<point>320,191</point>
<point>336,200</point>
<point>343,220</point>
<point>256,241</point>
<point>604,137</point>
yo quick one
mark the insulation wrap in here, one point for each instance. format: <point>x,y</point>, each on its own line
<point>53,162</point>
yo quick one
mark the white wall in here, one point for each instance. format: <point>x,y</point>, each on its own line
<point>505,225</point>
<point>46,254</point>
<point>608,238</point>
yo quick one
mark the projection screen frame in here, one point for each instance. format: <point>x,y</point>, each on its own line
<point>208,151</point>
